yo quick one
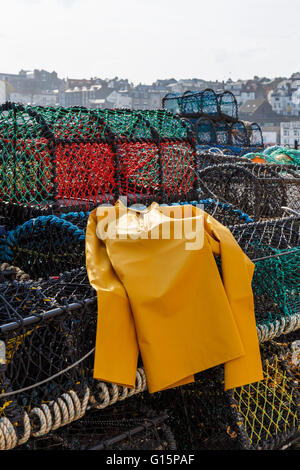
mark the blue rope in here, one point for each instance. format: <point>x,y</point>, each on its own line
<point>33,226</point>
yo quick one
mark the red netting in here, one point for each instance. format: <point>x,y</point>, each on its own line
<point>179,176</point>
<point>51,159</point>
<point>85,174</point>
<point>139,170</point>
<point>151,170</point>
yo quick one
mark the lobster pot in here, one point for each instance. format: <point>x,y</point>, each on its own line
<point>273,246</point>
<point>166,123</point>
<point>205,132</point>
<point>239,134</point>
<point>47,339</point>
<point>219,105</point>
<point>209,103</point>
<point>191,103</point>
<point>261,195</point>
<point>127,425</point>
<point>56,160</point>
<point>222,133</point>
<point>255,135</point>
<point>228,105</point>
<point>45,246</point>
<point>172,103</point>
<point>46,327</point>
<point>26,165</point>
<point>262,415</point>
<point>281,180</point>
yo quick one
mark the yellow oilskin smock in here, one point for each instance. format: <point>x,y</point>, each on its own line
<point>160,292</point>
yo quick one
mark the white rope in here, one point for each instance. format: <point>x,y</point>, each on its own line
<point>118,392</point>
<point>61,412</point>
<point>64,410</point>
<point>279,327</point>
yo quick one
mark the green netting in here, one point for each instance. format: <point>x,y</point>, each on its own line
<point>275,154</point>
<point>166,124</point>
<point>274,248</point>
<point>276,284</point>
<point>124,122</point>
<point>74,122</point>
<point>25,159</point>
<point>54,157</point>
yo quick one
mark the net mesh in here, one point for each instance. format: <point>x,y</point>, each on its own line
<point>219,105</point>
<point>258,190</point>
<point>262,415</point>
<point>75,158</point>
<point>45,246</point>
<point>274,246</point>
<point>126,426</point>
<point>25,159</point>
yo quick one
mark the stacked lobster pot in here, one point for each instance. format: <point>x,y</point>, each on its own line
<point>58,164</point>
<point>213,118</point>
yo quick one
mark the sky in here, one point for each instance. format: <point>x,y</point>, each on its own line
<point>146,40</point>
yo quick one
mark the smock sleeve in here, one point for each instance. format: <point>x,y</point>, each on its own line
<point>237,273</point>
<point>116,350</point>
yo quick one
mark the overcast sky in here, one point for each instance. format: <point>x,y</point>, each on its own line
<point>144,40</point>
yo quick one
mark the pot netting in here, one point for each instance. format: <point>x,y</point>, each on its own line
<point>26,165</point>
<point>274,247</point>
<point>228,105</point>
<point>125,426</point>
<point>222,133</point>
<point>85,174</point>
<point>205,132</point>
<point>62,159</point>
<point>260,197</point>
<point>239,134</point>
<point>166,124</point>
<point>215,156</point>
<point>219,105</point>
<point>126,123</point>
<point>45,246</point>
<point>262,415</point>
<point>72,123</point>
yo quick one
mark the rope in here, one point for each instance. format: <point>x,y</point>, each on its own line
<point>64,410</point>
<point>118,392</point>
<point>279,327</point>
<point>18,273</point>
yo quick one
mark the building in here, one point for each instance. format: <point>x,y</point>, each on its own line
<point>39,99</point>
<point>271,135</point>
<point>285,97</point>
<point>2,91</point>
<point>119,99</point>
<point>84,95</point>
<point>258,110</point>
<point>290,133</point>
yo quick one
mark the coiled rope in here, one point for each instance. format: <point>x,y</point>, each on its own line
<point>64,410</point>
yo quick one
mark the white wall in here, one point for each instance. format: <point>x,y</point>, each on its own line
<point>289,132</point>
<point>270,137</point>
<point>2,91</point>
